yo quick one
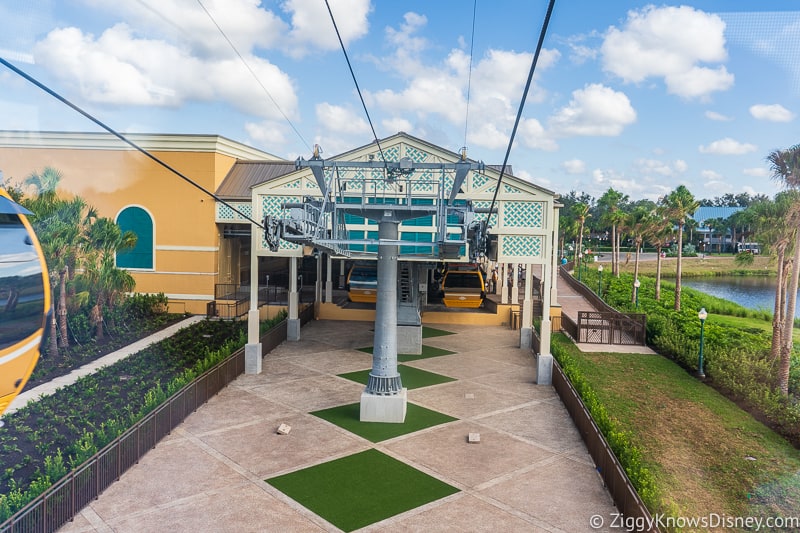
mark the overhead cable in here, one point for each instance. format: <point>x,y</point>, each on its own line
<point>522,102</point>
<point>247,65</point>
<point>124,139</point>
<point>358,89</point>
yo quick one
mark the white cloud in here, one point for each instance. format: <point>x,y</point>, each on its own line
<point>654,166</point>
<point>711,175</point>
<point>340,119</point>
<point>595,110</point>
<point>267,134</point>
<point>727,146</point>
<point>396,124</point>
<point>713,115</point>
<point>772,113</point>
<point>680,166</point>
<point>574,166</point>
<point>312,26</point>
<point>120,68</point>
<point>531,134</point>
<point>669,43</point>
<point>756,172</point>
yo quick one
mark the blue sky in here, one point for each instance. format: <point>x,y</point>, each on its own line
<point>636,96</point>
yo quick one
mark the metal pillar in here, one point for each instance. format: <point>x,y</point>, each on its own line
<point>515,283</point>
<point>384,379</point>
<point>503,284</point>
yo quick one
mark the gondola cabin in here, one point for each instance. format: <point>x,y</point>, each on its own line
<point>24,299</point>
<point>463,286</point>
<point>362,283</point>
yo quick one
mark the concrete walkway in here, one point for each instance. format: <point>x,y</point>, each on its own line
<point>530,472</point>
<point>45,389</point>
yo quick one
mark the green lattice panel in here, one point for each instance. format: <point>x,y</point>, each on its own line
<point>523,214</point>
<point>225,213</point>
<point>311,183</point>
<point>508,189</point>
<point>521,246</point>
<point>293,184</point>
<point>423,182</point>
<point>482,216</point>
<point>389,154</point>
<point>479,180</point>
<point>416,155</point>
<point>271,205</point>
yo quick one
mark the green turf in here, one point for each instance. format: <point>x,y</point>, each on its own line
<point>348,417</point>
<point>361,489</point>
<point>413,378</point>
<point>433,332</point>
<point>427,351</point>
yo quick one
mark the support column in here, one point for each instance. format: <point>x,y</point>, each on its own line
<point>293,322</point>
<point>329,280</point>
<point>515,283</point>
<point>525,330</point>
<point>252,350</point>
<point>342,278</point>
<point>544,360</point>
<point>318,283</point>
<point>503,283</point>
<point>384,399</point>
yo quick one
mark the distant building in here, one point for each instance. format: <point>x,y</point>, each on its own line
<point>709,238</point>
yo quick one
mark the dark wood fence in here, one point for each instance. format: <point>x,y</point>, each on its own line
<point>63,500</point>
<point>607,325</point>
<point>611,328</point>
<point>617,482</point>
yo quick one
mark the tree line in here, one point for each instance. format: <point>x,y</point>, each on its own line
<point>773,222</point>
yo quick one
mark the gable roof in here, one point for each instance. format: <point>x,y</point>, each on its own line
<point>246,174</point>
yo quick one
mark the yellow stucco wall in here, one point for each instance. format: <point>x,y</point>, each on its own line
<point>186,239</point>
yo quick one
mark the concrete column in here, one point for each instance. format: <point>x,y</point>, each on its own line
<point>544,360</point>
<point>293,322</point>
<point>342,277</point>
<point>252,350</point>
<point>515,283</point>
<point>503,283</point>
<point>525,330</point>
<point>318,283</point>
<point>329,280</point>
<point>555,263</point>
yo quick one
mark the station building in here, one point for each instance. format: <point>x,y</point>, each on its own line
<point>189,243</point>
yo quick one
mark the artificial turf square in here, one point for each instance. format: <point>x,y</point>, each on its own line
<point>433,332</point>
<point>349,417</point>
<point>361,489</point>
<point>412,378</point>
<point>427,351</point>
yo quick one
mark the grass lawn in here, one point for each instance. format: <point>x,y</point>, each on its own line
<point>361,489</point>
<point>708,455</point>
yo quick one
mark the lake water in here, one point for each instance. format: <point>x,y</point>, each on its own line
<point>752,292</point>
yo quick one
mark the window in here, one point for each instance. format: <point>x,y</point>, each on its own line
<point>138,221</point>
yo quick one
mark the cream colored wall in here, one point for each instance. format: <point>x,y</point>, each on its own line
<point>186,237</point>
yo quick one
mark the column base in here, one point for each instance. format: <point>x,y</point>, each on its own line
<point>544,369</point>
<point>384,408</point>
<point>293,329</point>
<point>525,338</point>
<point>252,358</point>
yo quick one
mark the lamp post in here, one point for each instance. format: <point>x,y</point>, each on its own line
<point>600,281</point>
<point>580,265</point>
<point>636,285</point>
<point>702,315</point>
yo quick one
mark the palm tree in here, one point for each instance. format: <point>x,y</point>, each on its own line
<point>679,204</point>
<point>611,213</point>
<point>659,233</point>
<point>785,167</point>
<point>637,224</point>
<point>581,212</point>
<point>101,277</point>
